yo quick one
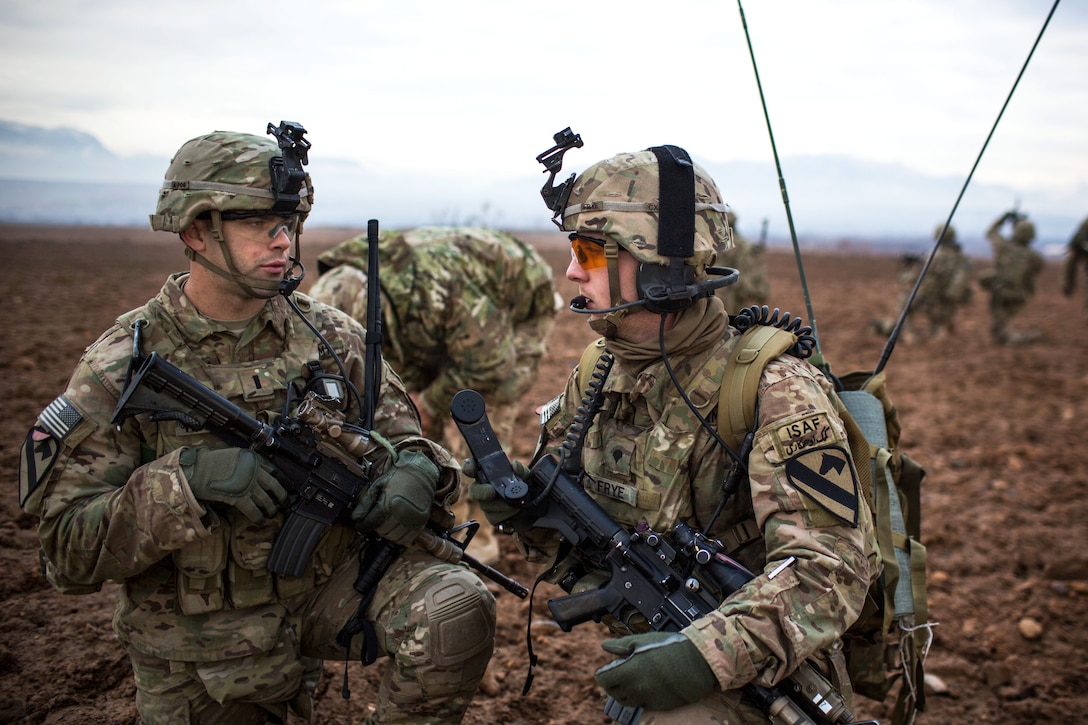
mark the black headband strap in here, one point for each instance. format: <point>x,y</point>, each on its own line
<point>676,219</point>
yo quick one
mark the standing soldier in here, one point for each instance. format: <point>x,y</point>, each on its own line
<point>1011,281</point>
<point>945,288</point>
<point>462,307</point>
<point>1076,256</point>
<point>752,287</point>
<point>644,227</point>
<point>186,523</point>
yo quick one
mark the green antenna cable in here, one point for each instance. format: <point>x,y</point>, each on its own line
<point>817,357</point>
<point>889,346</point>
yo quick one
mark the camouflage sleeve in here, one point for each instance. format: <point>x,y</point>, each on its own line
<point>400,423</point>
<point>817,534</point>
<point>343,287</point>
<point>479,348</point>
<point>104,516</point>
<point>993,234</point>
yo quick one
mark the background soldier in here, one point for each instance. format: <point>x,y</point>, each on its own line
<point>185,523</point>
<point>945,288</point>
<point>753,287</point>
<point>1011,281</point>
<point>648,461</point>
<point>462,308</point>
<point>1076,255</point>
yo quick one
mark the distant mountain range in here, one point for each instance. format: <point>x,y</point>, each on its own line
<point>66,176</point>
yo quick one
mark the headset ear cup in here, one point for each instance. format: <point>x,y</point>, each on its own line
<point>652,282</point>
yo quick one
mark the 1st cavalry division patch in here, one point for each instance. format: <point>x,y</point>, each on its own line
<point>826,475</point>
<point>43,444</point>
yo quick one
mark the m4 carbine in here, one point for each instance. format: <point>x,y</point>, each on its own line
<point>325,478</point>
<point>670,580</point>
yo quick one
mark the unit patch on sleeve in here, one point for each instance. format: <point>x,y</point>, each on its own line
<point>808,432</point>
<point>827,476</point>
<point>43,444</point>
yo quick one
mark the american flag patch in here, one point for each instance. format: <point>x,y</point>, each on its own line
<point>59,417</point>
<point>549,409</point>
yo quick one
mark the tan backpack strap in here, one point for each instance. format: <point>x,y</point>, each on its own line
<point>757,346</point>
<point>586,365</point>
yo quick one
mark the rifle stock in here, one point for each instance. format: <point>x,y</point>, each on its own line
<point>668,580</point>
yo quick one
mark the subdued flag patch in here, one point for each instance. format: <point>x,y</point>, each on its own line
<point>827,476</point>
<point>59,417</point>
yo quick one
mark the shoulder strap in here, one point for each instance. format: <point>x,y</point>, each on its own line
<point>756,347</point>
<point>590,355</point>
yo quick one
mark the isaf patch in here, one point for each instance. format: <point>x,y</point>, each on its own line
<point>42,444</point>
<point>826,475</point>
<point>807,432</point>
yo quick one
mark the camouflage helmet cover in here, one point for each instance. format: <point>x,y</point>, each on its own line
<point>224,171</point>
<point>618,198</point>
<point>1023,231</point>
<point>949,235</point>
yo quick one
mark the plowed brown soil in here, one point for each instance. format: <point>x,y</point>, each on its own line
<point>1005,505</point>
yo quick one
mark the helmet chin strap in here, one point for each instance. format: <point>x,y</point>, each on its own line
<point>262,289</point>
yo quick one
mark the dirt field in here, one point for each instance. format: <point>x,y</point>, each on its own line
<point>1005,505</point>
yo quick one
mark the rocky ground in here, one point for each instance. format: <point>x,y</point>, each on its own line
<point>1005,504</point>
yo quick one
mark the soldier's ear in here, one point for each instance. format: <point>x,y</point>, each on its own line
<point>196,236</point>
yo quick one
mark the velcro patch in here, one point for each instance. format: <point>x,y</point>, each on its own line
<point>808,432</point>
<point>827,476</point>
<point>549,409</point>
<point>59,417</point>
<point>625,492</point>
<point>39,451</point>
<point>43,444</point>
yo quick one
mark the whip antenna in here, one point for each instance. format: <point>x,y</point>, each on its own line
<point>894,336</point>
<point>818,357</point>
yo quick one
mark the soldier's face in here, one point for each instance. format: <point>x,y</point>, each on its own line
<point>259,245</point>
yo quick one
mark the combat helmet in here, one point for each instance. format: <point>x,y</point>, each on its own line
<point>226,172</point>
<point>1023,232</point>
<point>674,229</point>
<point>949,235</point>
<point>619,198</point>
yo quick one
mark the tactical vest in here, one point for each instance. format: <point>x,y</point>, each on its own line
<point>227,570</point>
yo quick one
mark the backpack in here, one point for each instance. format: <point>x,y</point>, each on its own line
<point>890,640</point>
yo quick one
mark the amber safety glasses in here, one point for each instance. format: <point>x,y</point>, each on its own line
<point>589,253</point>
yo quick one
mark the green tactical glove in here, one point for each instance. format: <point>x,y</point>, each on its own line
<point>397,504</point>
<point>234,477</point>
<point>495,508</point>
<point>659,671</point>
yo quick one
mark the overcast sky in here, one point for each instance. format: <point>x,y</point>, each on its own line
<point>478,88</point>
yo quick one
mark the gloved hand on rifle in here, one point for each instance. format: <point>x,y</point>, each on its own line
<point>233,477</point>
<point>397,504</point>
<point>659,671</point>
<point>495,508</point>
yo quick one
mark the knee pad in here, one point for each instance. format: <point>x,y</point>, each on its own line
<point>461,617</point>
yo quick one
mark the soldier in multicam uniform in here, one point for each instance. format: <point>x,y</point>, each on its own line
<point>462,308</point>
<point>753,287</point>
<point>185,524</point>
<point>1076,255</point>
<point>649,462</point>
<point>945,288</point>
<point>1011,281</point>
